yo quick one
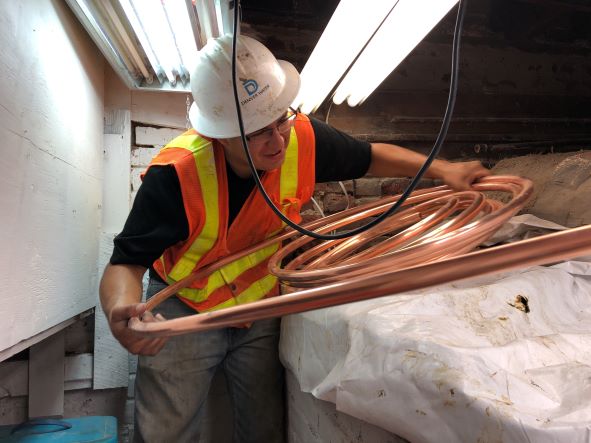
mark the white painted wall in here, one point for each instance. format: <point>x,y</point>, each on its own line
<point>112,366</point>
<point>51,142</point>
<point>152,108</point>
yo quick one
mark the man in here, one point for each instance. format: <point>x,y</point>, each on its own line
<point>198,203</point>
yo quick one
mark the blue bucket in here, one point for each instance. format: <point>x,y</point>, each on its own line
<point>70,430</point>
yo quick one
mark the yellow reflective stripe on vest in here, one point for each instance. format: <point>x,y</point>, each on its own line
<point>257,290</point>
<point>289,170</point>
<point>254,292</point>
<point>214,281</point>
<point>237,267</point>
<point>205,163</point>
<point>229,273</point>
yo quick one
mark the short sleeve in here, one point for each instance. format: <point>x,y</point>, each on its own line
<point>338,155</point>
<point>157,219</point>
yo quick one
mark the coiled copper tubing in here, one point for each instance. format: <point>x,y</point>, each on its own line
<point>429,243</point>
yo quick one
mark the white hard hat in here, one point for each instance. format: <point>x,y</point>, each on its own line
<point>266,87</point>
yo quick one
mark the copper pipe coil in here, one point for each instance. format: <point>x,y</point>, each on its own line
<point>381,205</point>
<point>413,246</point>
<point>427,248</point>
<point>540,250</point>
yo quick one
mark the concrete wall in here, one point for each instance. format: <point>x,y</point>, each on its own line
<point>51,126</point>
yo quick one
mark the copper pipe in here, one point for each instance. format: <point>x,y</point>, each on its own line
<point>432,247</point>
<point>541,250</point>
<point>333,220</point>
<point>337,276</point>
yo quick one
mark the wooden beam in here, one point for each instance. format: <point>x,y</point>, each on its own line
<point>562,4</point>
<point>14,375</point>
<point>46,377</point>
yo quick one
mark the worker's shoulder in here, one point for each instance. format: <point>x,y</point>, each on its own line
<point>190,141</point>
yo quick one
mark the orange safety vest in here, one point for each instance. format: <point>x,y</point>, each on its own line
<point>201,169</point>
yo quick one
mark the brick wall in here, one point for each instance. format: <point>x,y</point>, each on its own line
<point>334,197</point>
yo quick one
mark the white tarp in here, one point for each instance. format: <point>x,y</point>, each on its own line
<point>502,358</point>
<point>522,227</point>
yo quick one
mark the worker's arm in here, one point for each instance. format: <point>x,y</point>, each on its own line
<point>395,161</point>
<point>121,292</point>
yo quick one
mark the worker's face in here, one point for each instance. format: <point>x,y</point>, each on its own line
<point>268,146</point>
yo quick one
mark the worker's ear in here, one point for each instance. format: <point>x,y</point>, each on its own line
<point>223,141</point>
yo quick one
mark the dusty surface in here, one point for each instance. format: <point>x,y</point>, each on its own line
<point>562,185</point>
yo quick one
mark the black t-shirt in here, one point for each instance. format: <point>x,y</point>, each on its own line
<point>157,219</point>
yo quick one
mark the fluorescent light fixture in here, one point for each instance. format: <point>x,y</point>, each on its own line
<point>224,16</point>
<point>207,16</point>
<point>182,33</point>
<point>351,38</point>
<point>133,18</point>
<point>129,45</point>
<point>152,16</point>
<point>164,30</point>
<point>409,22</point>
<point>168,35</point>
<point>349,29</point>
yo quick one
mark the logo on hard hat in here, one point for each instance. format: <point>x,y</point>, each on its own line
<point>250,86</point>
<point>253,90</point>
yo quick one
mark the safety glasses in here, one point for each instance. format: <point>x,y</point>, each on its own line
<point>282,125</point>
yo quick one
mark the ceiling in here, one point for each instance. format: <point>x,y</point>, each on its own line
<point>291,27</point>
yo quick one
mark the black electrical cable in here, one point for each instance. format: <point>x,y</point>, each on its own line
<point>453,89</point>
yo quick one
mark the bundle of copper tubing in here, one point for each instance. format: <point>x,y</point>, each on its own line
<point>427,243</point>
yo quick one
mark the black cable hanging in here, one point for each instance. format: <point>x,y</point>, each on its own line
<point>453,89</point>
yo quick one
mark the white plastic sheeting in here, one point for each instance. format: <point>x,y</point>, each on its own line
<point>316,421</point>
<point>502,358</point>
<point>522,227</point>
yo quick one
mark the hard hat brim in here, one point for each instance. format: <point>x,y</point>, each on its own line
<point>217,128</point>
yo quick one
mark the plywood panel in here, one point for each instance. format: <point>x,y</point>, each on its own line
<point>50,167</point>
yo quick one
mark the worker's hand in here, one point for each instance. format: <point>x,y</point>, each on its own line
<point>119,319</point>
<point>460,176</point>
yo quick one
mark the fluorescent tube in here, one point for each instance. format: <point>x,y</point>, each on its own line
<point>349,29</point>
<point>134,20</point>
<point>409,22</point>
<point>157,27</point>
<point>182,33</point>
